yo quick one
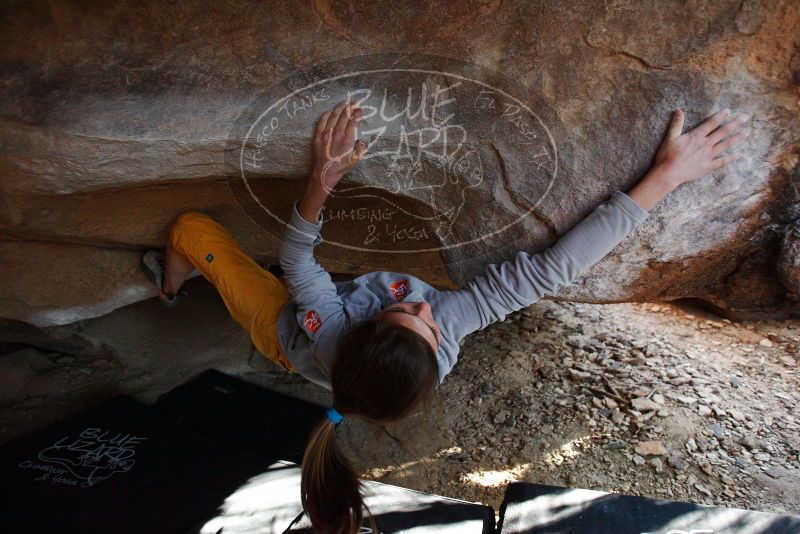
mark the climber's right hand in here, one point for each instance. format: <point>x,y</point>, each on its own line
<point>336,152</point>
<point>336,149</point>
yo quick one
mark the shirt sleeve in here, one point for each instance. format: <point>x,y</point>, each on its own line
<point>320,313</point>
<point>515,284</point>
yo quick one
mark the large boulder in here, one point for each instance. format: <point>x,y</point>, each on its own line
<point>493,127</point>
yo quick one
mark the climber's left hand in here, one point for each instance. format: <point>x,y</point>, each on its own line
<point>684,157</point>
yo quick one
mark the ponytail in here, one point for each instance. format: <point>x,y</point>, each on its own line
<point>330,489</point>
<point>381,374</point>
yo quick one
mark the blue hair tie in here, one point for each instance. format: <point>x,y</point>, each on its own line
<point>334,416</point>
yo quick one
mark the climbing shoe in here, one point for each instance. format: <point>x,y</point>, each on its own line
<point>153,265</point>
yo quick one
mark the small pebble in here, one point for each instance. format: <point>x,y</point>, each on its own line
<point>677,462</point>
<point>656,464</point>
<point>644,405</point>
<point>750,441</point>
<point>736,414</point>
<point>703,489</point>
<point>717,430</point>
<point>650,448</point>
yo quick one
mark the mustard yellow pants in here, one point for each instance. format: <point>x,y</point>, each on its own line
<point>254,296</point>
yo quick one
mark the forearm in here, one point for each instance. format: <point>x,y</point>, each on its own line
<point>313,199</point>
<point>514,284</point>
<point>651,190</point>
<point>307,281</point>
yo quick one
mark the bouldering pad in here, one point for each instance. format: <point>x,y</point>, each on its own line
<point>118,467</point>
<point>537,509</point>
<point>277,508</point>
<point>241,415</point>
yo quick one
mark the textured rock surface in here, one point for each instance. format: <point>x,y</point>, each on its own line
<point>113,120</point>
<point>789,260</point>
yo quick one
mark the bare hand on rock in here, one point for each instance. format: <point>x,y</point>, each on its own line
<point>336,150</point>
<point>684,157</point>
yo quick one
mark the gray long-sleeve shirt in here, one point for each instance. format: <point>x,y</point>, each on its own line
<point>321,311</point>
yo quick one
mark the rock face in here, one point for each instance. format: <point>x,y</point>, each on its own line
<point>492,128</point>
<point>789,260</point>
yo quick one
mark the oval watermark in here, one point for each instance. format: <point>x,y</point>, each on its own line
<point>456,158</point>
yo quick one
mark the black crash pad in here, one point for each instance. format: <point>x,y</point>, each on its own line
<point>119,467</point>
<point>537,509</point>
<point>244,416</point>
<point>123,467</point>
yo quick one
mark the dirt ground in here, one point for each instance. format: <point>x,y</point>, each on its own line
<point>645,399</point>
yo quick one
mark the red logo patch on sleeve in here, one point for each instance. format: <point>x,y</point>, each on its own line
<point>399,289</point>
<point>312,321</point>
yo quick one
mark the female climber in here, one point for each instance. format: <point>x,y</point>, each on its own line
<point>384,341</point>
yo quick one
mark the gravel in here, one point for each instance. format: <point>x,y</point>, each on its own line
<point>617,398</point>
